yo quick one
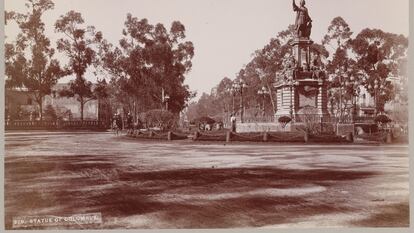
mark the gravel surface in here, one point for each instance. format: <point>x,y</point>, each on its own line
<point>139,184</point>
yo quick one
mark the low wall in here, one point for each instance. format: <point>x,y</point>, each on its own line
<point>260,127</point>
<point>344,129</point>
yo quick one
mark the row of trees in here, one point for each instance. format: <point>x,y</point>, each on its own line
<point>148,59</point>
<point>365,61</point>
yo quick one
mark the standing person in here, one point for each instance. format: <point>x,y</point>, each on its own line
<point>114,126</point>
<point>129,122</point>
<point>118,120</point>
<point>233,123</point>
<point>139,124</point>
<point>207,127</point>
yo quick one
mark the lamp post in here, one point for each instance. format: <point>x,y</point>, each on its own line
<point>242,86</point>
<point>290,82</point>
<point>166,98</point>
<point>232,90</point>
<point>330,97</point>
<point>379,91</point>
<point>263,92</point>
<point>352,84</point>
<point>238,86</point>
<point>376,86</point>
<point>341,84</point>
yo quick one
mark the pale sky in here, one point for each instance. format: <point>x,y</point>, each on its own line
<point>225,33</point>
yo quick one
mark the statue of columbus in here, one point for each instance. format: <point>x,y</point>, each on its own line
<point>303,23</point>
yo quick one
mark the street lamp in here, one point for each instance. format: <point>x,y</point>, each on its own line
<point>263,92</point>
<point>238,86</point>
<point>376,95</point>
<point>233,92</point>
<point>352,84</point>
<point>379,90</point>
<point>343,73</point>
<point>166,98</point>
<point>290,82</point>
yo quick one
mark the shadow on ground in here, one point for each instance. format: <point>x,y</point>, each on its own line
<point>190,198</point>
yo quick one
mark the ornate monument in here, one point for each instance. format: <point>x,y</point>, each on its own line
<point>302,90</point>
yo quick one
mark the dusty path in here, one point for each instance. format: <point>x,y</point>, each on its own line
<point>147,184</point>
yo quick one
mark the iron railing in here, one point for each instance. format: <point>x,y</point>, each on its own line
<point>259,119</point>
<point>301,118</point>
<point>86,124</point>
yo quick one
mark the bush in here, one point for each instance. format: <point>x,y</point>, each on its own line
<point>311,119</point>
<point>158,118</point>
<point>284,120</point>
<point>50,113</point>
<point>382,119</point>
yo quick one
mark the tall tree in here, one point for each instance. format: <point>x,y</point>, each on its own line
<point>341,66</point>
<point>80,89</point>
<point>338,35</point>
<point>378,55</point>
<point>224,95</point>
<point>218,104</point>
<point>29,60</point>
<point>150,59</point>
<point>78,45</point>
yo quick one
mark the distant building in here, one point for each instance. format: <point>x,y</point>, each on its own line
<point>90,110</point>
<point>21,105</point>
<point>366,102</point>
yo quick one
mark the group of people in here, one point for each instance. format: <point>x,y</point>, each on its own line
<point>118,123</point>
<point>210,127</point>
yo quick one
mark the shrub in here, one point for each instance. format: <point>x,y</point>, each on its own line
<point>284,120</point>
<point>158,118</point>
<point>382,119</point>
<point>50,113</point>
<point>311,119</point>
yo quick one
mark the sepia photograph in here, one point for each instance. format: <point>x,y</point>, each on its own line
<point>206,114</point>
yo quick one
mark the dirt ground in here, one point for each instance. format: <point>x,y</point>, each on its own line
<point>152,184</point>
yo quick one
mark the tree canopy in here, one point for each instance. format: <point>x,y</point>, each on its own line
<point>149,59</point>
<point>29,60</point>
<point>78,45</point>
<point>352,64</point>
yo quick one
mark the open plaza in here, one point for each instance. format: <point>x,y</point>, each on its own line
<point>136,183</point>
<point>206,114</point>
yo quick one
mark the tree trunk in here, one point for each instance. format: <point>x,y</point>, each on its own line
<point>271,98</point>
<point>82,105</point>
<point>41,110</point>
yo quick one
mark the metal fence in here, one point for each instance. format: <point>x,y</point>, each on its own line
<point>302,118</point>
<point>50,125</point>
<point>259,119</point>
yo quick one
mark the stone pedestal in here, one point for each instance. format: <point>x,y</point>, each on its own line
<point>302,93</point>
<point>302,53</point>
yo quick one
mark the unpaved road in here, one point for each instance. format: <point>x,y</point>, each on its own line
<point>149,184</point>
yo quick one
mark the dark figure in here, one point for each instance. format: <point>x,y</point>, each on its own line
<point>303,23</point>
<point>118,121</point>
<point>139,124</point>
<point>233,123</point>
<point>129,122</point>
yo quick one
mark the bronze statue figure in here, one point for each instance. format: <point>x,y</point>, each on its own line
<point>303,23</point>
